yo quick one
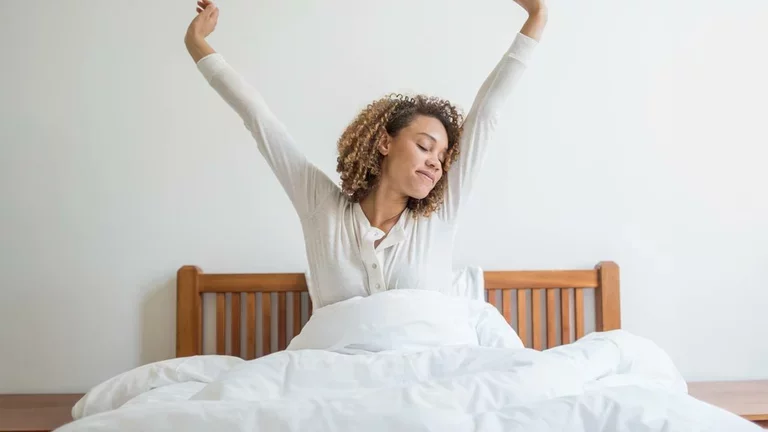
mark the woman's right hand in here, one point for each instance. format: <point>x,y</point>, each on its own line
<point>205,21</point>
<point>200,27</point>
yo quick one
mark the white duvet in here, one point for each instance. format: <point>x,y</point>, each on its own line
<point>409,361</point>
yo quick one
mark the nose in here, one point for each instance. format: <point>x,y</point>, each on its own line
<point>432,162</point>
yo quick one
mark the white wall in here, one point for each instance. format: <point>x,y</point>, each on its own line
<point>634,137</point>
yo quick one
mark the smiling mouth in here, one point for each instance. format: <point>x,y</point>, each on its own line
<point>427,176</point>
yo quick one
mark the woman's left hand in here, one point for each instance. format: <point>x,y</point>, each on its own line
<point>533,7</point>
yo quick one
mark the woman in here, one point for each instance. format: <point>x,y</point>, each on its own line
<point>407,166</point>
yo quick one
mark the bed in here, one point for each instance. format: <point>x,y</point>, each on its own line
<point>542,350</point>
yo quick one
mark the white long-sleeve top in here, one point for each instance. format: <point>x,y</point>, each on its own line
<point>339,240</point>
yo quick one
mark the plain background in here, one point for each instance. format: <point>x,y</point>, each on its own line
<point>637,135</point>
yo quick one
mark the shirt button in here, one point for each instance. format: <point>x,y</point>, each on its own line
<point>374,265</point>
<point>378,286</point>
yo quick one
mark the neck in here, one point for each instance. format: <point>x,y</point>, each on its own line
<point>383,206</point>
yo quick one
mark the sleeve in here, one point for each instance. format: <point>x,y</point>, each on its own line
<point>481,123</point>
<point>305,184</point>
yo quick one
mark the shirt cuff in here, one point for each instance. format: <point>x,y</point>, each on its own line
<point>522,48</point>
<point>210,65</point>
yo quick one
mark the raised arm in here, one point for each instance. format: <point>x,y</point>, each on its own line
<point>487,109</point>
<point>304,183</point>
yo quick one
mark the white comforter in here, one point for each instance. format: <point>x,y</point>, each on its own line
<point>381,372</point>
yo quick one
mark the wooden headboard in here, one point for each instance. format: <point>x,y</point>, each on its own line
<point>546,307</point>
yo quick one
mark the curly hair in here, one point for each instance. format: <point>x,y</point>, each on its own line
<point>359,160</point>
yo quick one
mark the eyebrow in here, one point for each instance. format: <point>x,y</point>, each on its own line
<point>428,135</point>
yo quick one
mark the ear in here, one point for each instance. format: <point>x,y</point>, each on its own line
<point>385,146</point>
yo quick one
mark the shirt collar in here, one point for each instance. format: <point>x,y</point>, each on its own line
<point>371,233</point>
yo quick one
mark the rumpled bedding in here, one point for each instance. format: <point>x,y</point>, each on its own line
<point>411,360</point>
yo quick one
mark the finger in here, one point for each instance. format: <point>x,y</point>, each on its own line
<point>199,10</point>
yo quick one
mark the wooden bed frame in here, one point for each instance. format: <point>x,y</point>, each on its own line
<point>264,307</point>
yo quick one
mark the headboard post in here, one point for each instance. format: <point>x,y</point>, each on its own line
<point>607,300</point>
<point>189,312</point>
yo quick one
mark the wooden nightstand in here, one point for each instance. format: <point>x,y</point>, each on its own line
<point>35,412</point>
<point>749,399</point>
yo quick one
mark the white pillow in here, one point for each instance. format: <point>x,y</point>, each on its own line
<point>405,320</point>
<point>468,282</point>
<point>492,329</point>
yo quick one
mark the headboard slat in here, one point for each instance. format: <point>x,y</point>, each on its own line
<point>522,321</point>
<point>266,323</point>
<point>282,318</point>
<point>221,323</point>
<point>236,324</point>
<point>250,326</point>
<point>551,318</point>
<point>565,316</point>
<point>578,311</point>
<point>506,303</point>
<point>536,318</point>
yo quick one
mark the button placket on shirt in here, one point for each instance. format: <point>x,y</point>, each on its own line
<point>372,264</point>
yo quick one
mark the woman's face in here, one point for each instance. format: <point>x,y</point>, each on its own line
<point>414,157</point>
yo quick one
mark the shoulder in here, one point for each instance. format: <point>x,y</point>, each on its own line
<point>334,204</point>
